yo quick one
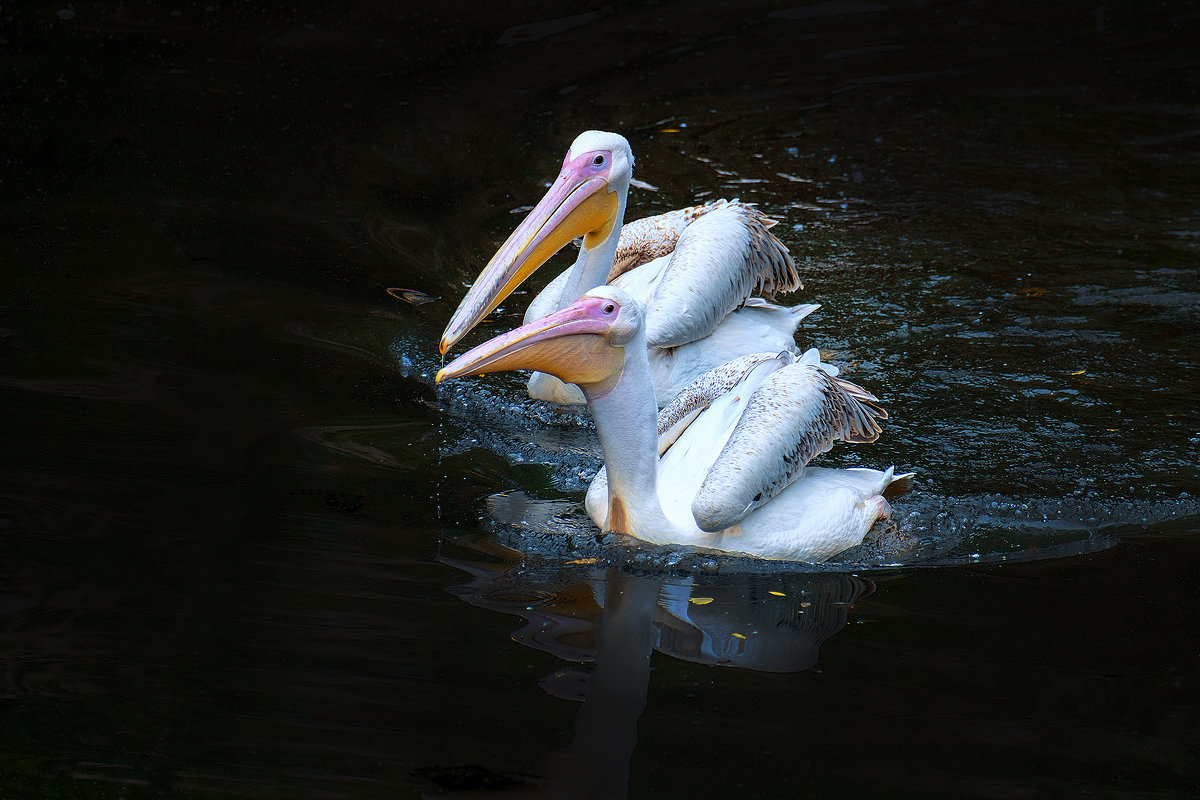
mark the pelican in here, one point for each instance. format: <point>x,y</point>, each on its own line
<point>698,270</point>
<point>723,467</point>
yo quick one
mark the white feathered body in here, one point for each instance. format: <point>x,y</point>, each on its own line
<point>734,448</point>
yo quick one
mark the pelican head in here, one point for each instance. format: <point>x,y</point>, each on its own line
<point>583,343</point>
<point>584,200</point>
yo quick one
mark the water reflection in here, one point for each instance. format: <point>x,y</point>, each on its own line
<point>615,617</point>
<point>770,625</point>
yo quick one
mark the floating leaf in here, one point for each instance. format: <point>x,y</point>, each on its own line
<point>738,635</point>
<point>583,561</point>
<point>777,594</point>
<point>414,296</point>
<point>1080,372</point>
<point>700,601</point>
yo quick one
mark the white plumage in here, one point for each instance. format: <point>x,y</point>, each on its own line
<point>724,466</point>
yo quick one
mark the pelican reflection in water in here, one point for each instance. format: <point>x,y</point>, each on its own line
<point>617,619</point>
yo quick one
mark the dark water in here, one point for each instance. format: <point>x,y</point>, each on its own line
<point>246,549</point>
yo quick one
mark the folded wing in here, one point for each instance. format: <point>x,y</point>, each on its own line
<point>796,413</point>
<point>721,259</point>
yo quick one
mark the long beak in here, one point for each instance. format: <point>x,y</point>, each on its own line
<point>576,205</point>
<point>570,344</point>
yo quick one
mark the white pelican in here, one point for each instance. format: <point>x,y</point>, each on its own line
<point>696,270</point>
<point>723,466</point>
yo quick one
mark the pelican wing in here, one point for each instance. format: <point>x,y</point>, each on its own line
<point>796,414</point>
<point>758,325</point>
<point>652,237</point>
<point>721,258</point>
<point>698,395</point>
<point>696,398</point>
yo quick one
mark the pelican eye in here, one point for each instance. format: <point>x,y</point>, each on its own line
<point>598,161</point>
<point>609,308</point>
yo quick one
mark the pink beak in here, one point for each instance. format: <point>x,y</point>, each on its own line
<point>571,344</point>
<point>579,203</point>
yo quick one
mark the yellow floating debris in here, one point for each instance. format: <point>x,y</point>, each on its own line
<point>583,561</point>
<point>777,594</point>
<point>700,601</point>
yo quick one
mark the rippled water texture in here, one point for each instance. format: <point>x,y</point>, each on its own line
<point>248,549</point>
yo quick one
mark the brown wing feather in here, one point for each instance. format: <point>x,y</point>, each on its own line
<point>769,258</point>
<point>648,238</point>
